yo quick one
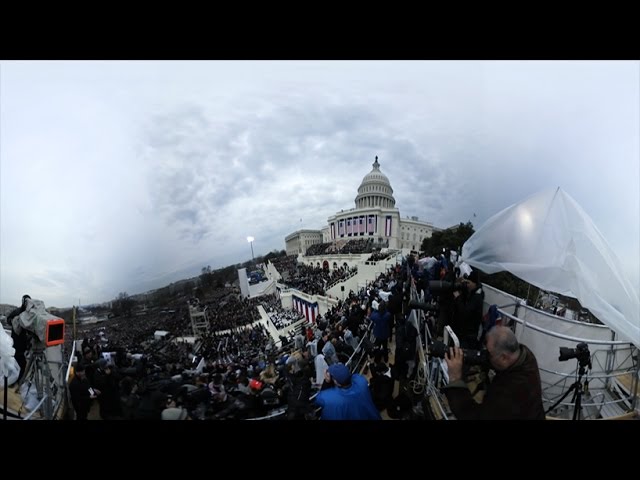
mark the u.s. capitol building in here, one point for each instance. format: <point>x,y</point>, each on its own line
<point>375,216</point>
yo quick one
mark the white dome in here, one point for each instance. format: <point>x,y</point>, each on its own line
<point>375,190</point>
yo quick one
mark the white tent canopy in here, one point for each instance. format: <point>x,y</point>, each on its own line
<point>159,334</point>
<point>550,242</point>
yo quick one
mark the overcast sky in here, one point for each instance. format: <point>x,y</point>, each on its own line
<point>125,176</point>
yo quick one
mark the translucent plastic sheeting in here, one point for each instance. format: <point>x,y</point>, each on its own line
<point>550,242</point>
<point>8,365</point>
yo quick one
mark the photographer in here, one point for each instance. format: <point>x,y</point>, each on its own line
<point>467,311</point>
<point>515,392</point>
<point>20,340</point>
<point>445,300</point>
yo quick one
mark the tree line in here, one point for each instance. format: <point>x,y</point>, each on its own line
<point>453,238</point>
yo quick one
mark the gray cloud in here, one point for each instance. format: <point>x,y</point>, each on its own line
<point>196,176</point>
<point>173,171</point>
<point>44,282</point>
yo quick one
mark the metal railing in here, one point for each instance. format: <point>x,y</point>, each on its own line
<point>618,353</point>
<point>429,371</point>
<point>619,356</point>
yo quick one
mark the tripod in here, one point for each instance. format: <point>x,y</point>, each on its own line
<point>38,373</point>
<point>578,389</point>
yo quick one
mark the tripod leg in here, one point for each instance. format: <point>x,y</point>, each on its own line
<point>48,405</point>
<point>38,374</point>
<point>574,387</point>
<point>42,380</point>
<point>577,409</point>
<point>565,395</point>
<point>38,378</point>
<point>28,370</point>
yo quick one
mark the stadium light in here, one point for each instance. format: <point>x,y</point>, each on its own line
<point>250,240</point>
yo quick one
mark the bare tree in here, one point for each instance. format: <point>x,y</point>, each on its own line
<point>124,304</point>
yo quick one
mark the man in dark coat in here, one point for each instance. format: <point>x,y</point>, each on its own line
<point>81,393</point>
<point>515,392</point>
<point>107,382</point>
<point>21,340</point>
<point>298,388</point>
<point>380,384</point>
<point>467,309</point>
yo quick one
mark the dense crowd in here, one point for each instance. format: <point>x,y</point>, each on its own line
<point>242,373</point>
<point>315,280</point>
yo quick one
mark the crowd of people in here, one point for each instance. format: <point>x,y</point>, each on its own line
<point>237,374</point>
<point>236,370</point>
<point>315,280</point>
<point>282,318</point>
<point>377,256</point>
<point>231,311</point>
<point>285,264</point>
<point>344,246</point>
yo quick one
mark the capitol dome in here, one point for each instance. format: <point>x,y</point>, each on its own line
<point>375,190</point>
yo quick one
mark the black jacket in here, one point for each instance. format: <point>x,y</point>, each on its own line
<point>468,316</point>
<point>514,394</point>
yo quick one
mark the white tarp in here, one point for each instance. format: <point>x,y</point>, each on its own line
<point>8,365</point>
<point>159,334</point>
<point>550,242</point>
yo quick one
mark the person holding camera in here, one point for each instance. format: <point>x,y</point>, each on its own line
<point>20,340</point>
<point>515,393</point>
<point>467,308</point>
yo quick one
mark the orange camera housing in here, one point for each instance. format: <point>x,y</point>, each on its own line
<point>54,334</point>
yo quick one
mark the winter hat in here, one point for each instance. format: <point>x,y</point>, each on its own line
<point>340,373</point>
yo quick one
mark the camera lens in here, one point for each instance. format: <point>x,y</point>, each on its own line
<point>470,357</point>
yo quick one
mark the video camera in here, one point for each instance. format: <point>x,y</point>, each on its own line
<point>425,307</point>
<point>470,357</point>
<point>44,328</point>
<point>438,286</point>
<point>581,353</point>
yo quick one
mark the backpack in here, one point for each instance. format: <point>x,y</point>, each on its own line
<point>489,320</point>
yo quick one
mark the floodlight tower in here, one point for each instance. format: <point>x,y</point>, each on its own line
<point>250,240</point>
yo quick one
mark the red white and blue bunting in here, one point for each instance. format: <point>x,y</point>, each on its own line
<point>308,309</point>
<point>387,226</point>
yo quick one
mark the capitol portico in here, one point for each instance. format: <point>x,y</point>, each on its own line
<point>375,216</point>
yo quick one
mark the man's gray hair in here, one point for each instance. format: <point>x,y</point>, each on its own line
<point>505,340</point>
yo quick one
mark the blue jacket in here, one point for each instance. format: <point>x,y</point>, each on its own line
<point>381,324</point>
<point>352,403</point>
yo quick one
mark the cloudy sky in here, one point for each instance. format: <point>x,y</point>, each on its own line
<point>125,176</point>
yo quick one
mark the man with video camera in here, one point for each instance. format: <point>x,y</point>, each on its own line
<point>20,340</point>
<point>515,393</point>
